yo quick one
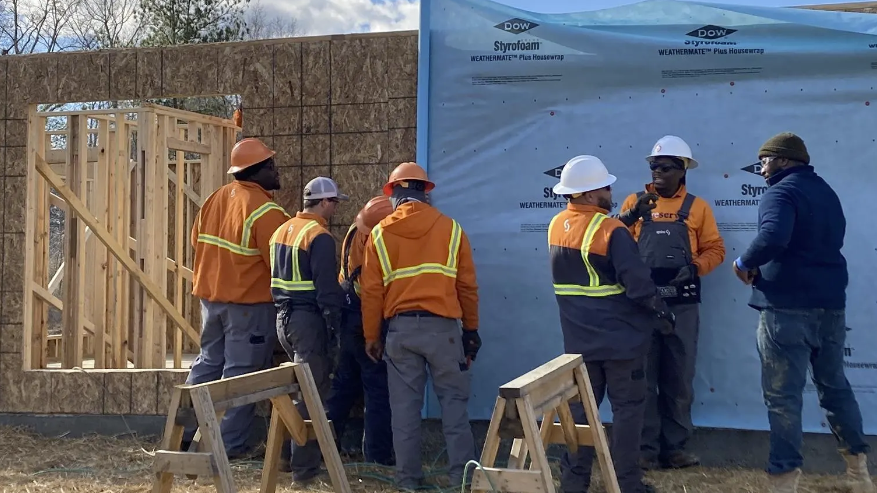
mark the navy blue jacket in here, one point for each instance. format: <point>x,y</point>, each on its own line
<point>801,228</point>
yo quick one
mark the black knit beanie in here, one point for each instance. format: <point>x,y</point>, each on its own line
<point>785,145</point>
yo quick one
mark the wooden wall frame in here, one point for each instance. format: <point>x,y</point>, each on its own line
<point>112,177</point>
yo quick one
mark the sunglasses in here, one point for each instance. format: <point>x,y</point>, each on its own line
<point>664,168</point>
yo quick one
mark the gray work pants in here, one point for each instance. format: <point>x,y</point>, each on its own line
<point>625,382</point>
<point>670,372</point>
<point>306,339</point>
<point>235,340</point>
<point>414,344</point>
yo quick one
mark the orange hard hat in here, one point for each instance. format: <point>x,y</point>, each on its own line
<point>248,152</point>
<point>371,214</point>
<point>407,171</point>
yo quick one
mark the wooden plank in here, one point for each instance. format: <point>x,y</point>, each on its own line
<point>160,234</point>
<point>100,256</point>
<point>534,443</point>
<point>188,115</point>
<point>584,434</point>
<point>491,440</point>
<point>314,404</point>
<point>179,243</point>
<point>212,437</point>
<point>507,480</point>
<point>561,393</point>
<point>33,348</point>
<point>277,433</point>
<point>256,396</point>
<point>116,249</point>
<point>176,144</point>
<point>75,247</point>
<point>601,444</point>
<point>247,384</point>
<point>172,438</point>
<point>568,425</point>
<point>197,463</point>
<point>526,383</point>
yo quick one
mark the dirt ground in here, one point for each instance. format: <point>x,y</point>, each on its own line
<point>98,464</point>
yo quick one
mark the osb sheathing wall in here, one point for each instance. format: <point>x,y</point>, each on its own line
<point>341,106</point>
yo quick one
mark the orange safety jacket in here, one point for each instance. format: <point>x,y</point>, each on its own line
<point>230,237</point>
<point>418,260</point>
<point>707,245</point>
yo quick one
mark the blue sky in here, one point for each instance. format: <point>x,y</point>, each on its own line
<point>321,17</point>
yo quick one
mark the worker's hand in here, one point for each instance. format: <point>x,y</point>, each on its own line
<point>667,322</point>
<point>471,344</point>
<point>645,203</point>
<point>374,350</point>
<point>747,276</point>
<point>685,274</point>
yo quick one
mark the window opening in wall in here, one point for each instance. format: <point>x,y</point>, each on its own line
<point>126,178</point>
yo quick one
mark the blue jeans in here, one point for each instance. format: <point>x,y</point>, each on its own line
<point>790,341</point>
<point>357,374</point>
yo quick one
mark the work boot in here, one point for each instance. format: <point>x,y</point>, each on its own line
<point>858,477</point>
<point>679,460</point>
<point>785,483</point>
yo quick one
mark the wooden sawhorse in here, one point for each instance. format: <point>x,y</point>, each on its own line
<point>204,404</point>
<point>545,390</point>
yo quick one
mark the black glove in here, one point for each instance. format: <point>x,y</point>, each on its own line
<point>686,274</point>
<point>667,322</point>
<point>471,343</point>
<point>643,205</point>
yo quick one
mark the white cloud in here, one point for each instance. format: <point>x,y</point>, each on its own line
<point>322,17</point>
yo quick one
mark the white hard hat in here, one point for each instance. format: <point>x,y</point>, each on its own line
<point>583,174</point>
<point>670,145</point>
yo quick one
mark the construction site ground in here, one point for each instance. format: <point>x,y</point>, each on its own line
<point>31,463</point>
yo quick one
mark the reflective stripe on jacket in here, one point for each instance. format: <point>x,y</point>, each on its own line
<point>418,260</point>
<point>604,291</point>
<point>594,287</point>
<point>231,241</point>
<point>448,268</point>
<point>303,264</point>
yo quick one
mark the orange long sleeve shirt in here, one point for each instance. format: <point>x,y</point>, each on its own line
<point>230,237</point>
<point>707,245</point>
<point>416,234</point>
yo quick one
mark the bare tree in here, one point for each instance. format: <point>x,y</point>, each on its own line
<point>101,24</point>
<point>262,24</point>
<point>36,26</point>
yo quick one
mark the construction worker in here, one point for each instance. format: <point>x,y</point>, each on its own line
<point>308,299</point>
<point>799,278</point>
<point>418,274</point>
<point>232,276</point>
<point>609,307</point>
<point>679,240</point>
<point>356,371</point>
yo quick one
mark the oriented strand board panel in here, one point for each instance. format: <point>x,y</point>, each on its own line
<point>337,106</point>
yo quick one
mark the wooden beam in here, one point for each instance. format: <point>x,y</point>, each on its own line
<point>176,144</point>
<point>115,248</point>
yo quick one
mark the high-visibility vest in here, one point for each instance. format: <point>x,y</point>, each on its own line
<point>593,288</point>
<point>242,248</point>
<point>449,268</point>
<point>292,279</point>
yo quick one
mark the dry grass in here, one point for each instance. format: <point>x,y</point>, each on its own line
<point>30,463</point>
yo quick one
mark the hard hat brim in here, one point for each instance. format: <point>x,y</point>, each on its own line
<point>562,190</point>
<point>235,169</point>
<point>327,195</point>
<point>388,187</point>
